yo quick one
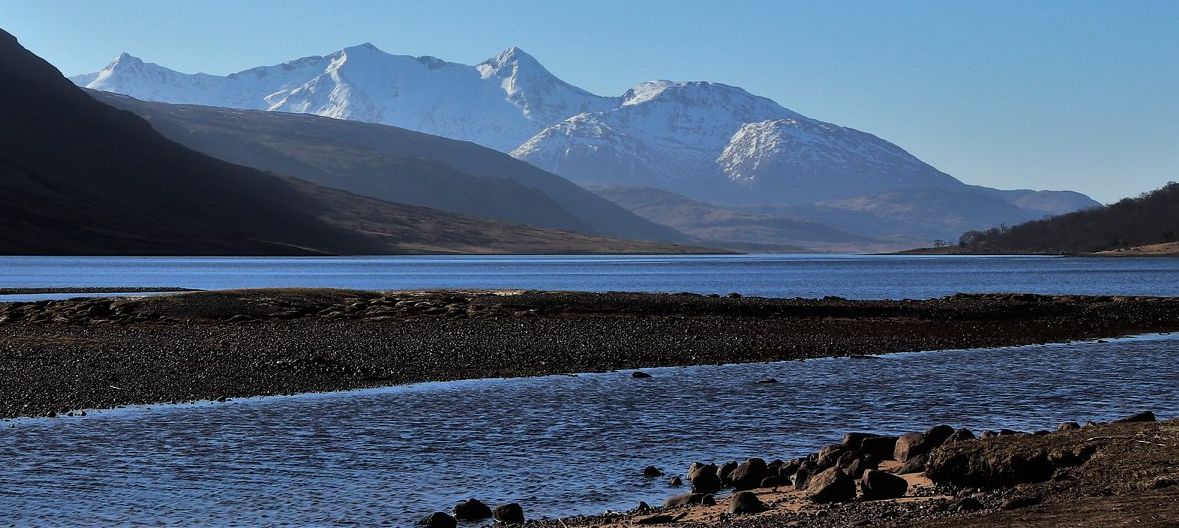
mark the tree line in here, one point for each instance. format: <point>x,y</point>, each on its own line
<point>1150,218</point>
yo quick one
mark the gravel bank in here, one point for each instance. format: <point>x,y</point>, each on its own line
<point>60,356</point>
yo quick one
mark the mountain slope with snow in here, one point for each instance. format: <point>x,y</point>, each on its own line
<point>712,141</point>
<point>498,103</point>
<point>706,141</point>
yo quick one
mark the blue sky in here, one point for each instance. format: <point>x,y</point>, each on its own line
<point>1080,95</point>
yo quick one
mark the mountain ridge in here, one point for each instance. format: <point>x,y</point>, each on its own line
<point>706,141</point>
<point>363,83</point>
<point>78,177</point>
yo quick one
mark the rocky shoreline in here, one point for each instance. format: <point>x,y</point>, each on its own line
<point>58,357</point>
<point>1119,473</point>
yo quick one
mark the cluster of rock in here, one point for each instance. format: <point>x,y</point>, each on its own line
<point>976,475</point>
<point>475,510</point>
<point>836,473</point>
<point>995,465</point>
<point>98,310</point>
<point>243,309</point>
<point>392,306</point>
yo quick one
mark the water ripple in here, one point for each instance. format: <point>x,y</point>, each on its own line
<point>559,445</point>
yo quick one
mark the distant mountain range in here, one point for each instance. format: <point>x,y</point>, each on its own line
<point>707,142</point>
<point>498,103</point>
<point>81,177</point>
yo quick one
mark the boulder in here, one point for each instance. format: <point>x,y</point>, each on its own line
<point>774,482</point>
<point>471,510</point>
<point>829,455</point>
<point>830,485</point>
<point>937,436</point>
<point>910,445</point>
<point>704,478</point>
<point>652,472</point>
<point>789,468</point>
<point>1145,416</point>
<point>438,520</point>
<point>509,514</point>
<point>916,464</point>
<point>988,465</point>
<point>855,440</point>
<point>725,470</point>
<point>878,485</point>
<point>749,474</point>
<point>775,465</point>
<point>675,481</point>
<point>806,470</point>
<point>745,502</point>
<point>966,504</point>
<point>855,463</point>
<point>960,435</point>
<point>881,447</point>
<point>688,499</point>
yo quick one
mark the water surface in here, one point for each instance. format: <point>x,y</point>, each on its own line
<point>850,276</point>
<point>559,445</point>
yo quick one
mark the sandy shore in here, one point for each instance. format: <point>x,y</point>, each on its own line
<point>61,356</point>
<point>1166,249</point>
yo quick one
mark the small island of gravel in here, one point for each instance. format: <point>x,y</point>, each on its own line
<point>61,356</point>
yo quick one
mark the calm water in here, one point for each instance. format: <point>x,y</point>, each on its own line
<point>558,445</point>
<point>850,276</point>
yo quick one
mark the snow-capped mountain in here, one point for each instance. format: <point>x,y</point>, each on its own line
<point>498,103</point>
<point>712,141</point>
<point>706,141</point>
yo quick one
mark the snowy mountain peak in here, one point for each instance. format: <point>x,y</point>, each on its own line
<point>542,96</point>
<point>126,60</point>
<point>515,63</point>
<point>498,103</point>
<point>716,98</point>
<point>365,50</point>
<point>707,140</point>
<point>645,91</point>
<point>511,56</point>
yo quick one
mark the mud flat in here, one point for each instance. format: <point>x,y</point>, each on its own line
<point>65,356</point>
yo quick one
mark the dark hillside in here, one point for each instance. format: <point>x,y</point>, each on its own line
<point>1152,218</point>
<point>393,164</point>
<point>80,177</point>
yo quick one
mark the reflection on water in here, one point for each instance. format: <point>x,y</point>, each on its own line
<point>559,445</point>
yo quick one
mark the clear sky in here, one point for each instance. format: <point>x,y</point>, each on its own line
<point>1075,94</point>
